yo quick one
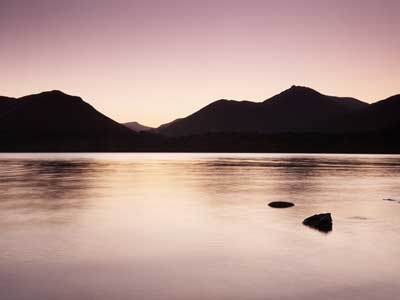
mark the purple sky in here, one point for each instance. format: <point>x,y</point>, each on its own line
<point>153,61</point>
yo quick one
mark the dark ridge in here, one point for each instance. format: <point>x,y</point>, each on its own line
<point>55,113</point>
<point>381,116</point>
<point>298,109</point>
<point>297,120</point>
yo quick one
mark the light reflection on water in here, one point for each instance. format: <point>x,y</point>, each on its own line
<point>197,226</point>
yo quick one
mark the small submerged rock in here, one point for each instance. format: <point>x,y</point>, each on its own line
<point>280,204</point>
<point>321,222</point>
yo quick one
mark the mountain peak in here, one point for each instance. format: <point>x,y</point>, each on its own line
<point>298,89</point>
<point>297,109</point>
<point>54,93</point>
<point>52,97</point>
<point>295,93</point>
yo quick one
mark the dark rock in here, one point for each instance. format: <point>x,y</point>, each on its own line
<point>321,222</point>
<point>281,204</point>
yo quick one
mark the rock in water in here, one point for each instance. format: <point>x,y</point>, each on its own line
<point>322,222</point>
<point>281,204</point>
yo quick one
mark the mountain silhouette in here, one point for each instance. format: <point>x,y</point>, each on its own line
<point>135,126</point>
<point>57,114</point>
<point>381,116</point>
<point>295,110</point>
<point>299,119</point>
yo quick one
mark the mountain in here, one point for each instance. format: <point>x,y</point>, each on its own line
<point>135,126</point>
<point>55,114</point>
<point>297,120</point>
<point>56,122</point>
<point>295,110</point>
<point>380,116</point>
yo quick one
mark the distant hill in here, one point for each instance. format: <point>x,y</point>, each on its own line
<point>296,110</point>
<point>55,114</point>
<point>380,116</point>
<point>135,126</point>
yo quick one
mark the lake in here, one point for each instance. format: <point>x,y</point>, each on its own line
<point>154,226</point>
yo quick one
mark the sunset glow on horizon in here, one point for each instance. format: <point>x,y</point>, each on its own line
<point>154,61</point>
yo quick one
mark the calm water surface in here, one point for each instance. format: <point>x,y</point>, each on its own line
<point>197,227</point>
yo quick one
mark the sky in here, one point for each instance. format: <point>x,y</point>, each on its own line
<point>153,61</point>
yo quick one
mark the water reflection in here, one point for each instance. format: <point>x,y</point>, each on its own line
<point>197,226</point>
<point>46,191</point>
